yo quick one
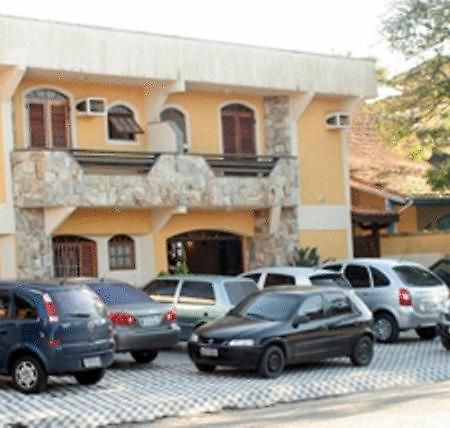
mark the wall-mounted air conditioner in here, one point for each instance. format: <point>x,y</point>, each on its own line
<point>91,107</point>
<point>338,120</point>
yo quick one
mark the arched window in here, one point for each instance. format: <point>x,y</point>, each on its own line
<point>238,129</point>
<point>121,253</point>
<point>178,120</point>
<point>121,124</point>
<point>48,113</point>
<point>444,222</point>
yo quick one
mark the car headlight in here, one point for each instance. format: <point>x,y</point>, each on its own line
<point>193,338</point>
<point>446,306</point>
<point>241,342</point>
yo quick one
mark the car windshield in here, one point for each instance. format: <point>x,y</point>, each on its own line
<point>269,306</point>
<point>416,276</point>
<point>79,302</point>
<point>239,290</point>
<point>119,294</point>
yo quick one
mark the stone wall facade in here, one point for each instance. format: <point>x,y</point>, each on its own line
<point>34,246</point>
<point>277,125</point>
<point>54,179</point>
<point>277,248</point>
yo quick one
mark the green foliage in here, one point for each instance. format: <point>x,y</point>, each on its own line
<point>306,257</point>
<point>419,117</point>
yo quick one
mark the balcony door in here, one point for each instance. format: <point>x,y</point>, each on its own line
<point>238,129</point>
<point>48,113</point>
<point>74,256</point>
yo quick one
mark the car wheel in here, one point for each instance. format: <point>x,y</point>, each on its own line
<point>385,328</point>
<point>426,333</point>
<point>205,368</point>
<point>272,362</point>
<point>144,357</point>
<point>445,343</point>
<point>28,375</point>
<point>362,352</point>
<point>90,377</point>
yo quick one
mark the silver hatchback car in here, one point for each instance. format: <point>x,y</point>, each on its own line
<point>401,295</point>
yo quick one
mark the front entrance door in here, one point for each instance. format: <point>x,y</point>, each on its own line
<point>74,257</point>
<point>209,252</point>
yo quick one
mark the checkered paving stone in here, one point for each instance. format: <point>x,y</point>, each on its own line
<point>172,386</point>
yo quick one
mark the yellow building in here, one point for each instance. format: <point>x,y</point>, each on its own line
<point>122,153</point>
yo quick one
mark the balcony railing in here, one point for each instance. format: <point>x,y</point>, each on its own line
<point>222,165</point>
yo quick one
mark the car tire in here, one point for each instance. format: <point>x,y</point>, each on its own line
<point>28,375</point>
<point>144,357</point>
<point>205,368</point>
<point>385,328</point>
<point>90,377</point>
<point>445,343</point>
<point>272,362</point>
<point>426,333</point>
<point>362,352</point>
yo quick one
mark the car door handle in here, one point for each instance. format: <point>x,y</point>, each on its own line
<point>205,314</point>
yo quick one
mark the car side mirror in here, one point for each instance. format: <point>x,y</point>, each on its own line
<point>300,319</point>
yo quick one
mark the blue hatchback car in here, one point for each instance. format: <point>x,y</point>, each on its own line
<point>49,329</point>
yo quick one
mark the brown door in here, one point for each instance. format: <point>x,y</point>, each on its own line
<point>74,259</point>
<point>238,130</point>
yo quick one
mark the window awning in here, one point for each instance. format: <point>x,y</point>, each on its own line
<point>124,124</point>
<point>373,216</point>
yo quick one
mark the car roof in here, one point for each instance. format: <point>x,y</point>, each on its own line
<point>288,270</point>
<point>203,277</point>
<point>375,261</point>
<point>33,284</point>
<point>301,289</point>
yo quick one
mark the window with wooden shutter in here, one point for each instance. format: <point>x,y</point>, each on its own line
<point>48,119</point>
<point>74,256</point>
<point>238,129</point>
<point>121,124</point>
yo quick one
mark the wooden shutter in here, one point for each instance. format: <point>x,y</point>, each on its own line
<point>60,124</point>
<point>88,259</point>
<point>229,133</point>
<point>36,120</point>
<point>247,133</point>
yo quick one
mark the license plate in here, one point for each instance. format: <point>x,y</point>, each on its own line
<point>150,321</point>
<point>209,352</point>
<point>92,362</point>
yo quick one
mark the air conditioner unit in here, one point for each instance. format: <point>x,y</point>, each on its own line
<point>337,120</point>
<point>91,107</point>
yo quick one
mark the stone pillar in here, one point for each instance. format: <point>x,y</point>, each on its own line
<point>277,125</point>
<point>277,248</point>
<point>34,246</point>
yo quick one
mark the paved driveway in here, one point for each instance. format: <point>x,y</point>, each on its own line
<point>171,386</point>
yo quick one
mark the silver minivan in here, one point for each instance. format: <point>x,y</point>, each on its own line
<point>401,295</point>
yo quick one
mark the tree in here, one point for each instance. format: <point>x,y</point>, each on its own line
<point>420,115</point>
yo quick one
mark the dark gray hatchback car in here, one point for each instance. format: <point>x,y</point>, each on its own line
<point>141,325</point>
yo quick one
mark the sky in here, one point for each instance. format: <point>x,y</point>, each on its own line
<point>344,27</point>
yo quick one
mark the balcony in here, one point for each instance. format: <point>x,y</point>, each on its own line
<point>86,178</point>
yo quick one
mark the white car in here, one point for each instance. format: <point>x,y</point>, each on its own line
<point>291,275</point>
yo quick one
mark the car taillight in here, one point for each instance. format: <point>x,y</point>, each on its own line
<point>171,315</point>
<point>54,342</point>
<point>404,297</point>
<point>122,318</point>
<point>50,307</point>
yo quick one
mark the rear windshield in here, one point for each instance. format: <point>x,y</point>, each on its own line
<point>269,306</point>
<point>332,281</point>
<point>238,290</point>
<point>76,302</point>
<point>416,276</point>
<point>119,294</point>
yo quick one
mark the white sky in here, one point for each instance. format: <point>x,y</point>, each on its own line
<point>344,27</point>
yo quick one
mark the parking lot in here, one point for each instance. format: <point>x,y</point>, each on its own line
<point>171,386</point>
